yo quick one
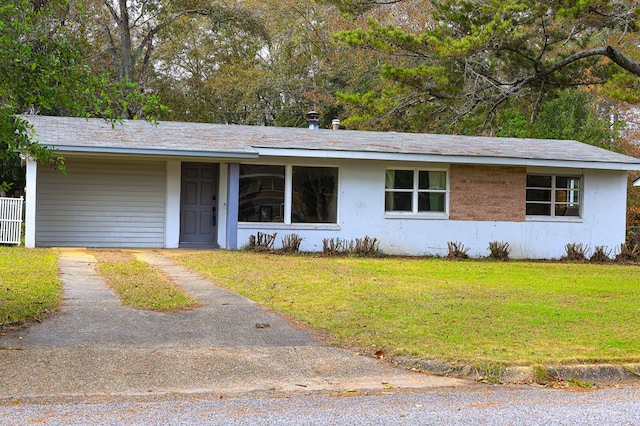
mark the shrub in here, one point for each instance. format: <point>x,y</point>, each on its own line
<point>457,251</point>
<point>499,250</point>
<point>332,246</point>
<point>628,253</point>
<point>291,243</point>
<point>576,252</point>
<point>633,235</point>
<point>633,216</point>
<point>263,242</point>
<point>366,246</point>
<point>600,255</point>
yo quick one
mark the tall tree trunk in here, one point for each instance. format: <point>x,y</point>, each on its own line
<point>125,42</point>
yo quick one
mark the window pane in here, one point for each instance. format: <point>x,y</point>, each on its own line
<point>567,182</point>
<point>314,198</point>
<point>538,195</point>
<point>399,179</point>
<point>567,210</point>
<point>398,201</point>
<point>539,181</point>
<point>431,201</point>
<point>261,193</point>
<point>535,209</point>
<point>432,180</point>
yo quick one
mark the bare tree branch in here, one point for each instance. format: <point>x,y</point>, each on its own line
<point>137,53</point>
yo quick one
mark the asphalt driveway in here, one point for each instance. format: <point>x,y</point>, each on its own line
<point>228,345</point>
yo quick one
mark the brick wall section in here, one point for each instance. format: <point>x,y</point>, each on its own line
<point>487,193</point>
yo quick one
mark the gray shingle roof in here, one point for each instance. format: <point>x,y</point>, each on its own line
<point>211,140</point>
<point>138,136</point>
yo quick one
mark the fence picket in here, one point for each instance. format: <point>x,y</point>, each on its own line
<point>11,220</point>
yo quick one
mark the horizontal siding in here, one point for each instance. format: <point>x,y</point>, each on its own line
<point>100,203</point>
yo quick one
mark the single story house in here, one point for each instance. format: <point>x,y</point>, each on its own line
<point>138,184</point>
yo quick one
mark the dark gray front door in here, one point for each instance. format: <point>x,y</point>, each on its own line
<point>199,204</point>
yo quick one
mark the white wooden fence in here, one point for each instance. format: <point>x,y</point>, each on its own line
<point>11,220</point>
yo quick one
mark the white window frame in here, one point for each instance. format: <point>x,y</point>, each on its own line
<point>553,203</point>
<point>415,194</point>
<point>288,200</point>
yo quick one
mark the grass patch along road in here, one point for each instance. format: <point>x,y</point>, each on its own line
<point>29,284</point>
<point>505,312</point>
<point>139,285</point>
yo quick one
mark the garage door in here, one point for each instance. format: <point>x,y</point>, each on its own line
<point>101,203</point>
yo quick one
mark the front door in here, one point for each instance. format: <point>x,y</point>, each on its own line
<point>198,205</point>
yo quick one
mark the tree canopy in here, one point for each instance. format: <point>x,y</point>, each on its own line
<point>473,58</point>
<point>43,71</point>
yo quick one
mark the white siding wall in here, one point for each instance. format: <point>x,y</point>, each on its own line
<point>102,203</point>
<point>361,212</point>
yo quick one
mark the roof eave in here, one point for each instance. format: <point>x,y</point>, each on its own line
<point>443,158</point>
<point>154,152</point>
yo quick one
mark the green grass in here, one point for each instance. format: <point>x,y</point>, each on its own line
<point>138,284</point>
<point>514,313</point>
<point>29,285</point>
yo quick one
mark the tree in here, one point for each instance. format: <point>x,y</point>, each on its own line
<point>474,58</point>
<point>42,71</point>
<point>571,114</point>
<point>128,33</point>
<point>269,71</point>
<point>206,69</point>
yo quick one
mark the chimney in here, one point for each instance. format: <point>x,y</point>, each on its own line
<point>313,117</point>
<point>335,123</point>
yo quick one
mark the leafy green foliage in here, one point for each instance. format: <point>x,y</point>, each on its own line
<point>572,114</point>
<point>42,71</point>
<point>470,60</point>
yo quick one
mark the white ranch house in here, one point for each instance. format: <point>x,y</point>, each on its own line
<point>174,185</point>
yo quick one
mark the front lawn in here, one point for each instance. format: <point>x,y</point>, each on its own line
<point>29,284</point>
<point>473,311</point>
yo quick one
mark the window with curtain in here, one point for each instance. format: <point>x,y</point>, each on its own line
<point>415,191</point>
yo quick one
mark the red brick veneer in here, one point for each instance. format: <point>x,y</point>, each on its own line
<point>487,193</point>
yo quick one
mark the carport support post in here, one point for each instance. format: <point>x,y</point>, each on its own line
<point>30,203</point>
<point>233,193</point>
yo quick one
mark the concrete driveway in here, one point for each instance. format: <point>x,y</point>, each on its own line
<point>228,345</point>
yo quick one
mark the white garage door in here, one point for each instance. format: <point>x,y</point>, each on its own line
<point>101,203</point>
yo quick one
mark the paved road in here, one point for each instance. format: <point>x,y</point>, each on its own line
<point>488,405</point>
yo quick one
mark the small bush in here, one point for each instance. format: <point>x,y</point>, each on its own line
<point>628,253</point>
<point>261,242</point>
<point>576,252</point>
<point>366,246</point>
<point>499,250</point>
<point>600,255</point>
<point>291,243</point>
<point>332,246</point>
<point>457,251</point>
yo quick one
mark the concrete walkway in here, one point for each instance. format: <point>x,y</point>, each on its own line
<point>228,345</point>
